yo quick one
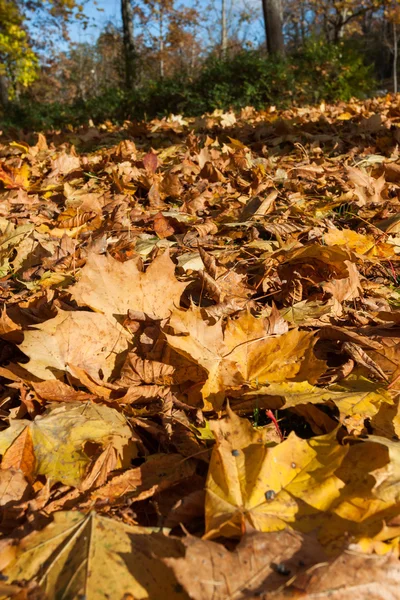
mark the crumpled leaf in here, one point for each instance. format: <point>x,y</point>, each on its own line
<point>60,434</point>
<point>351,575</point>
<point>158,473</point>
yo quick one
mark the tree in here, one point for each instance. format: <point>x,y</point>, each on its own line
<point>129,44</point>
<point>18,63</point>
<point>273,21</point>
<point>19,60</point>
<point>224,33</point>
<point>392,16</point>
<point>165,35</point>
<point>334,16</point>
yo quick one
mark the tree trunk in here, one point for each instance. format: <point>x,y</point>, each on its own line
<point>129,43</point>
<point>161,40</point>
<point>224,36</point>
<point>272,10</point>
<point>395,56</point>
<point>3,91</point>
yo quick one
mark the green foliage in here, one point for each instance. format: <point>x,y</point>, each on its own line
<point>330,72</point>
<point>317,72</point>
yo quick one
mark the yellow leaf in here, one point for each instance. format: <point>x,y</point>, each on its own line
<point>72,232</point>
<point>50,279</point>
<point>270,487</point>
<point>59,436</point>
<point>270,358</point>
<point>311,313</point>
<point>354,396</point>
<point>90,556</point>
<point>346,237</point>
<point>360,243</point>
<point>345,116</point>
<point>245,352</point>
<point>15,177</point>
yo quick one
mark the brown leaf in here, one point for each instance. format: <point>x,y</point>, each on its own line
<point>362,358</point>
<point>162,226</point>
<point>138,370</point>
<point>13,487</point>
<point>64,164</point>
<point>8,329</point>
<point>156,474</point>
<point>150,161</point>
<point>351,575</point>
<point>261,563</point>
<point>20,456</point>
<point>57,391</point>
<point>171,186</point>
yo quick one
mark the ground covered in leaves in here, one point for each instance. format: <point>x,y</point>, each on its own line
<point>200,357</point>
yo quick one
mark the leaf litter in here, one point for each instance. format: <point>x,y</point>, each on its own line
<point>200,369</point>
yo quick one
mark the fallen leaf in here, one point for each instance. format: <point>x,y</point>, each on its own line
<point>350,575</point>
<point>245,352</point>
<point>87,340</point>
<point>20,456</point>
<point>13,487</point>
<point>119,557</point>
<point>158,473</point>
<point>59,437</point>
<point>113,288</point>
<point>269,488</point>
<point>209,570</point>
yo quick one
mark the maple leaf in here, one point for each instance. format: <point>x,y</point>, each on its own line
<point>310,246</point>
<point>58,438</point>
<point>251,566</point>
<point>246,351</point>
<point>64,164</point>
<point>84,339</point>
<point>362,244</point>
<point>113,288</point>
<point>267,487</point>
<point>81,555</point>
<point>14,178</point>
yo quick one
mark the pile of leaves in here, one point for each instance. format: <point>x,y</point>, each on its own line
<point>200,357</point>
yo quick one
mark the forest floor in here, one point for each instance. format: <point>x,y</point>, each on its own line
<point>200,357</point>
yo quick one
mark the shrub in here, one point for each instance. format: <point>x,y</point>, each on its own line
<point>316,72</point>
<point>330,72</point>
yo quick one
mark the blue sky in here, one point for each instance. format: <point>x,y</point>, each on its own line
<point>110,12</point>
